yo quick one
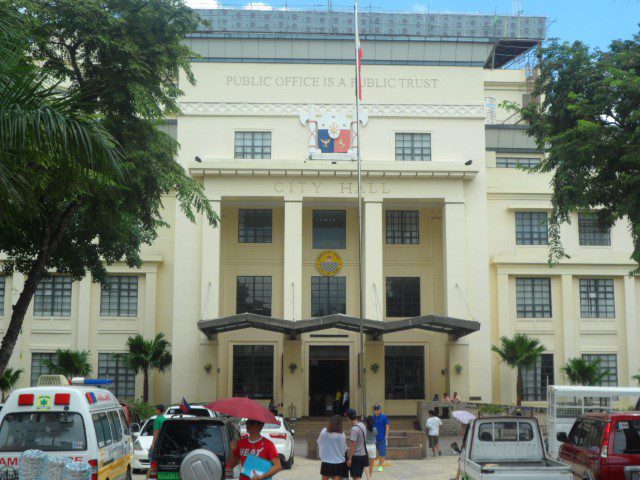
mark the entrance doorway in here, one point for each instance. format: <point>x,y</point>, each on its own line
<point>328,372</point>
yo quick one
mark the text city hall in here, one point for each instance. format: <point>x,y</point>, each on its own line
<point>316,187</point>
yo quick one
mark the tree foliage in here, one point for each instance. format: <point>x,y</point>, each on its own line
<point>70,363</point>
<point>588,122</point>
<point>520,352</point>
<point>584,372</point>
<point>8,380</point>
<point>113,63</point>
<point>144,356</point>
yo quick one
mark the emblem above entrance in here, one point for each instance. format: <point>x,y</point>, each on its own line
<point>332,136</point>
<point>329,263</point>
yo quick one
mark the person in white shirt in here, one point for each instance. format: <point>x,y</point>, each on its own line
<point>433,432</point>
<point>332,445</point>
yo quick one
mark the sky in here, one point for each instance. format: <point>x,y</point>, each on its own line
<point>595,22</point>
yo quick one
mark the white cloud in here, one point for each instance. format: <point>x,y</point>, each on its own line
<point>420,8</point>
<point>257,6</point>
<point>203,4</point>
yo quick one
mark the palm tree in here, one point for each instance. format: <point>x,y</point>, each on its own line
<point>584,372</point>
<point>144,356</point>
<point>8,380</point>
<point>70,363</point>
<point>519,352</point>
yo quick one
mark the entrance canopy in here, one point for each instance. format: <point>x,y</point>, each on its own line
<point>453,326</point>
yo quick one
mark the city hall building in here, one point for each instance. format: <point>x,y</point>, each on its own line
<point>455,235</point>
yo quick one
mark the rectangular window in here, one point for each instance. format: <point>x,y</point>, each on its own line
<point>403,296</point>
<point>116,428</point>
<point>403,227</point>
<point>608,362</point>
<point>115,368</point>
<point>120,297</point>
<point>590,233</point>
<point>329,229</point>
<point>404,372</point>
<point>532,228</point>
<point>533,297</point>
<point>253,371</point>
<point>253,295</point>
<point>38,367</point>
<point>597,298</point>
<point>515,162</point>
<point>253,145</point>
<point>414,147</point>
<point>2,289</point>
<point>255,225</point>
<point>53,297</point>
<point>328,296</point>
<point>536,379</point>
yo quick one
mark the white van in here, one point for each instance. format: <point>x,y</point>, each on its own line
<point>82,422</point>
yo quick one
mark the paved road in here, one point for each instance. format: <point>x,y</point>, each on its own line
<point>441,468</point>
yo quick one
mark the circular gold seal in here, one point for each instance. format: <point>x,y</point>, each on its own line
<point>329,263</point>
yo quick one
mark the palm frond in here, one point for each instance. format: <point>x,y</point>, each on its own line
<point>70,363</point>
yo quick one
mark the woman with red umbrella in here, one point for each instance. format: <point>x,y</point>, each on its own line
<point>254,443</point>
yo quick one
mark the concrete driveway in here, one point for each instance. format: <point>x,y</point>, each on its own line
<point>441,468</point>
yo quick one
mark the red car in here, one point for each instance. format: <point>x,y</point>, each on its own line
<point>603,446</point>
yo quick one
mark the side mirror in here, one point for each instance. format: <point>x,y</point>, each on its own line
<point>135,428</point>
<point>562,437</point>
<point>293,432</point>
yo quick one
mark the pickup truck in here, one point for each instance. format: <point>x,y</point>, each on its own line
<point>507,448</point>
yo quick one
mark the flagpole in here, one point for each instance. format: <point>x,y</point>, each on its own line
<point>360,274</point>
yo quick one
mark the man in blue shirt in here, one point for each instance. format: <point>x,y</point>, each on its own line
<point>382,424</point>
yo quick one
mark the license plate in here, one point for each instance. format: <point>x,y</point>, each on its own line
<point>168,475</point>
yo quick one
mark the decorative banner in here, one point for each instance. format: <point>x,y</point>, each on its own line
<point>329,263</point>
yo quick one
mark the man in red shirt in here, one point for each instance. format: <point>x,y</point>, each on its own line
<point>255,444</point>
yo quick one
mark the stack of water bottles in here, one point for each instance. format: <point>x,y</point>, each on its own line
<point>37,465</point>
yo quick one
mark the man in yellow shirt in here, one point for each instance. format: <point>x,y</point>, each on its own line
<point>337,402</point>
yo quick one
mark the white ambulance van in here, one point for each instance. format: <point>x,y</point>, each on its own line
<point>79,421</point>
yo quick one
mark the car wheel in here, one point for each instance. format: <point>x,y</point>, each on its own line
<point>128,475</point>
<point>286,464</point>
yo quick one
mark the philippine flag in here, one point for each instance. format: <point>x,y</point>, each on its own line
<point>359,55</point>
<point>184,406</point>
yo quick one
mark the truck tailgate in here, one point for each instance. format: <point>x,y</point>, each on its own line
<point>526,471</point>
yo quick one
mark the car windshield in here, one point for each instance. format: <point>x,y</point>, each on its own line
<point>47,431</point>
<point>196,412</point>
<point>271,426</point>
<point>147,429</point>
<point>178,439</point>
<point>627,438</point>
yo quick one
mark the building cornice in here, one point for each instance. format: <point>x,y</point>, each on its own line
<point>294,109</point>
<point>318,168</point>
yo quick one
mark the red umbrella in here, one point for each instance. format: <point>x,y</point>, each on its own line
<point>243,408</point>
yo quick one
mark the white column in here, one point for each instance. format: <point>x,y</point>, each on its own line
<point>210,285</point>
<point>454,243</point>
<point>373,260</point>
<point>506,376</point>
<point>632,325</point>
<point>568,319</point>
<point>292,287</point>
<point>84,312</point>
<point>149,321</point>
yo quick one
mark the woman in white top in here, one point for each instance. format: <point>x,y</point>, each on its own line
<point>332,445</point>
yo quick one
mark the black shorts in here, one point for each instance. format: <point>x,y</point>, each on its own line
<point>334,470</point>
<point>358,464</point>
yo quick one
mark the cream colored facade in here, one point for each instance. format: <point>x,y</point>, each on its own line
<point>467,258</point>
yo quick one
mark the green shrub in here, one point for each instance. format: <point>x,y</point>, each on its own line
<point>140,408</point>
<point>490,409</point>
